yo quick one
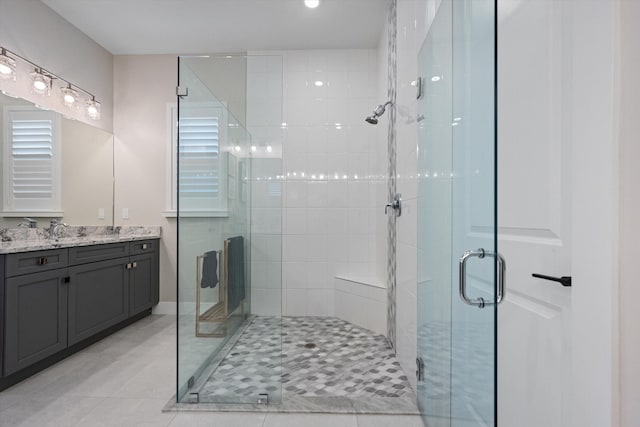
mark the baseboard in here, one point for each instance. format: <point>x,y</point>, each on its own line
<point>188,308</point>
<point>166,307</point>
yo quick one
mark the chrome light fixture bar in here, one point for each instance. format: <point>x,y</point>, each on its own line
<point>42,83</point>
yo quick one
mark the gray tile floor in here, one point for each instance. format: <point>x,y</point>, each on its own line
<point>127,378</point>
<point>295,358</point>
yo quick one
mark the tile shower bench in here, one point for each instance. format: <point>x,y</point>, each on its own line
<point>59,296</point>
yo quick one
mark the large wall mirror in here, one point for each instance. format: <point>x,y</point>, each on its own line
<point>53,167</point>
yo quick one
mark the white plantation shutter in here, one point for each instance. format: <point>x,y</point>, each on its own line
<point>198,170</point>
<point>199,148</point>
<point>31,160</point>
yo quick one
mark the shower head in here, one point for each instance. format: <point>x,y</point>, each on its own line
<point>377,112</point>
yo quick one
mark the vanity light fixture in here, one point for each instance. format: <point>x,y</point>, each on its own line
<point>312,4</point>
<point>69,96</point>
<point>7,66</point>
<point>42,83</point>
<point>93,108</point>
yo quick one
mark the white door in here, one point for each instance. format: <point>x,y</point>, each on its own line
<point>534,213</point>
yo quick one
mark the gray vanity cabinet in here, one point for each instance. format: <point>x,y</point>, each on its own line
<point>98,297</point>
<point>59,300</point>
<point>141,292</point>
<point>143,278</point>
<point>36,318</point>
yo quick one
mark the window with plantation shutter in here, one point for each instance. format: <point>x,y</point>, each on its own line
<point>199,176</point>
<point>31,161</point>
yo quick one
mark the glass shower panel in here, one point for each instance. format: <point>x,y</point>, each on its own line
<point>435,221</point>
<point>217,320</point>
<point>457,216</point>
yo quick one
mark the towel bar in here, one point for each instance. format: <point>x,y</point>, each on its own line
<point>219,312</point>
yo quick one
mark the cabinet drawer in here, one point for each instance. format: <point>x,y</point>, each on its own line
<point>85,254</point>
<point>33,262</point>
<point>144,246</point>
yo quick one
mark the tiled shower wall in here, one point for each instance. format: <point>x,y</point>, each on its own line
<point>332,175</point>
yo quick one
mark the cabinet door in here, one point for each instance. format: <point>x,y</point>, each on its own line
<point>143,283</point>
<point>36,318</point>
<point>98,297</point>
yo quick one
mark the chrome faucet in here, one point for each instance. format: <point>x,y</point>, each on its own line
<point>53,229</point>
<point>29,223</point>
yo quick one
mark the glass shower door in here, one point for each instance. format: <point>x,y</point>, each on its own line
<point>459,273</point>
<point>229,342</point>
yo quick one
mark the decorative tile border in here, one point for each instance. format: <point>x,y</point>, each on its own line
<point>391,149</point>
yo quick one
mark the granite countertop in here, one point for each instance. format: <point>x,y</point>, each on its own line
<point>15,240</point>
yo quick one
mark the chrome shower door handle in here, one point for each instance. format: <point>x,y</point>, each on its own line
<point>481,253</point>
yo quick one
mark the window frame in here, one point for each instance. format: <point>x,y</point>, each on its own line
<point>54,208</point>
<point>171,209</point>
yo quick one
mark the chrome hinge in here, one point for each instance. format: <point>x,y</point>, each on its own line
<point>419,369</point>
<point>182,91</point>
<point>419,83</point>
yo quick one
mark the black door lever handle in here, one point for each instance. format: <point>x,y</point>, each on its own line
<point>564,280</point>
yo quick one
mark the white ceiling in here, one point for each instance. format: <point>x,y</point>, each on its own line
<point>209,26</point>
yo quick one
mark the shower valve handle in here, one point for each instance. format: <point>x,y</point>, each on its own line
<point>395,204</point>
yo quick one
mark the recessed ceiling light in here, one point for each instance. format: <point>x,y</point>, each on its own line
<point>435,78</point>
<point>319,83</point>
<point>312,4</point>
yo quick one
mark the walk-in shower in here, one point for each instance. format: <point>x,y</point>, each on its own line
<point>284,266</point>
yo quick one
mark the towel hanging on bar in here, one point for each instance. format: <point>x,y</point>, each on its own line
<point>209,270</point>
<point>235,265</point>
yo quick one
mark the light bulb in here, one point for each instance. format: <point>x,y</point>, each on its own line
<point>69,97</point>
<point>7,66</point>
<point>41,83</point>
<point>93,109</point>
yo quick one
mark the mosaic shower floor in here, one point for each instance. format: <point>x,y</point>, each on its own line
<point>316,364</point>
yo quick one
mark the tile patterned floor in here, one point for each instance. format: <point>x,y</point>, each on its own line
<point>312,357</point>
<point>127,378</point>
<point>459,377</point>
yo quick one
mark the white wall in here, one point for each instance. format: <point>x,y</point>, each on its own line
<point>329,165</point>
<point>629,213</point>
<point>264,122</point>
<point>34,31</point>
<point>143,85</point>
